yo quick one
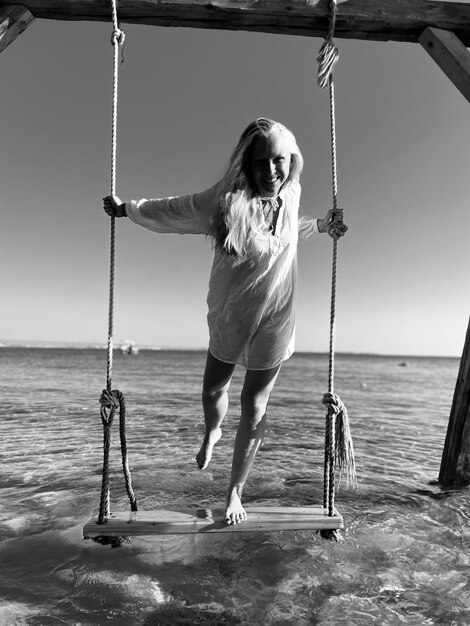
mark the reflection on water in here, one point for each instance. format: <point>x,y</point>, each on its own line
<point>405,557</point>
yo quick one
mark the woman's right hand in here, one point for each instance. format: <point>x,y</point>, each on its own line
<point>113,207</point>
<point>333,224</point>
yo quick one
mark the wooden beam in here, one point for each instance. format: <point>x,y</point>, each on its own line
<point>455,464</point>
<point>380,20</point>
<point>13,21</point>
<point>451,55</point>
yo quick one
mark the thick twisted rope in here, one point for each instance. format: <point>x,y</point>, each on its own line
<point>117,39</point>
<point>338,444</point>
<point>111,400</point>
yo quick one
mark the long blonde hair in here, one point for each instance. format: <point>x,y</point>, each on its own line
<point>231,225</point>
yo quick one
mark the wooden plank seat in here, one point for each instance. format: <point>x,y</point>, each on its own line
<point>260,518</point>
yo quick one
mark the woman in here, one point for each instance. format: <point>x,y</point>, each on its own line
<point>252,216</point>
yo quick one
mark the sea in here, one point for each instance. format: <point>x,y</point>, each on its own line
<point>404,557</point>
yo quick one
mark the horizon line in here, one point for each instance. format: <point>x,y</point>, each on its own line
<point>90,345</point>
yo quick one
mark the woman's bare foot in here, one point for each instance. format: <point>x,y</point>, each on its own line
<point>204,455</point>
<point>234,512</point>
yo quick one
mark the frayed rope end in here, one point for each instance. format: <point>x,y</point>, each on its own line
<point>345,462</point>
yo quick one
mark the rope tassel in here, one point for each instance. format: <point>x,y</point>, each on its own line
<point>344,461</point>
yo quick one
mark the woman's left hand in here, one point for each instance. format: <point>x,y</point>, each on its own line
<point>113,207</point>
<point>333,224</point>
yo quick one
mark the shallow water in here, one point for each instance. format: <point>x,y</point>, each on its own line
<point>405,556</point>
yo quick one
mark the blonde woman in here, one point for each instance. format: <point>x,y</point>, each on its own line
<point>252,216</point>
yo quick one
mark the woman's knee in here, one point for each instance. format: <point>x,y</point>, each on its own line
<point>212,393</point>
<point>250,398</point>
<point>217,378</point>
<point>258,387</point>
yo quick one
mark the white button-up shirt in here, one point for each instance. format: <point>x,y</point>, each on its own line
<point>251,298</point>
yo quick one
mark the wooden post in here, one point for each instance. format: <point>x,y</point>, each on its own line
<point>14,18</point>
<point>455,464</point>
<point>450,54</point>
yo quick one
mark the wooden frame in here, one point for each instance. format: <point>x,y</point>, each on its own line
<point>455,464</point>
<point>380,20</point>
<point>442,28</point>
<point>14,19</point>
<point>451,55</point>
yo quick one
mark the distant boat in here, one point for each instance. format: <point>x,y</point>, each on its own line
<point>128,347</point>
<point>403,364</point>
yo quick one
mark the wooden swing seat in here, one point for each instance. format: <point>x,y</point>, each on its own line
<point>260,518</point>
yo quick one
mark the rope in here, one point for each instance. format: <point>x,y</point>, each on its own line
<point>117,39</point>
<point>338,443</point>
<point>112,400</point>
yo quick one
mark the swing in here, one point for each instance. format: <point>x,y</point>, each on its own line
<point>113,528</point>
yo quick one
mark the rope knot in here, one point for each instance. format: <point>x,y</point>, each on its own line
<point>326,59</point>
<point>110,399</point>
<point>329,54</point>
<point>118,37</point>
<point>333,403</point>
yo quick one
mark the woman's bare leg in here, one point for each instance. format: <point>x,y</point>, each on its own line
<point>251,429</point>
<point>217,377</point>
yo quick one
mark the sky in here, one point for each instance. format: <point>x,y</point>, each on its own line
<point>185,95</point>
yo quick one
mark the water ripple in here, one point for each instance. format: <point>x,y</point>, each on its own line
<point>405,557</point>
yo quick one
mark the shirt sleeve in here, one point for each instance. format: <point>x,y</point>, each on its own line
<point>308,227</point>
<point>184,215</point>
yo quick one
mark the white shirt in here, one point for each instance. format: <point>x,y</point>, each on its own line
<point>250,299</point>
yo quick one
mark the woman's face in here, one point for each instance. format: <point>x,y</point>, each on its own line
<point>270,163</point>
